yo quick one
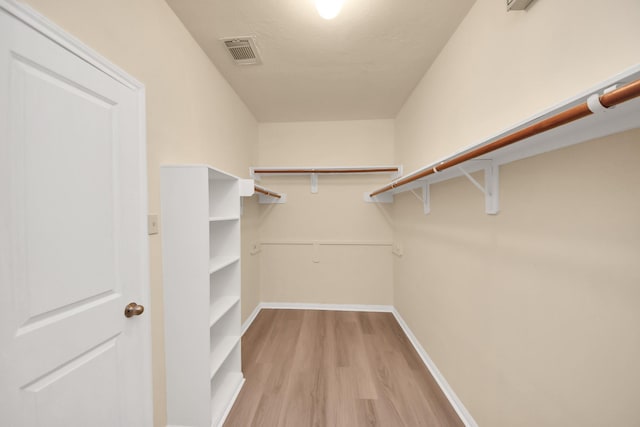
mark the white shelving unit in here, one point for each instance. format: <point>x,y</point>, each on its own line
<point>201,267</point>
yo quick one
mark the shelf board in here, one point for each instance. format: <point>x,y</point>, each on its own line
<point>221,307</point>
<point>613,120</point>
<point>220,262</point>
<point>222,397</point>
<point>257,171</point>
<point>220,175</point>
<point>223,218</point>
<point>221,352</point>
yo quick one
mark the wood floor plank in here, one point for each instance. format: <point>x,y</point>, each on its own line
<point>366,412</point>
<point>346,390</point>
<point>335,368</point>
<point>257,336</point>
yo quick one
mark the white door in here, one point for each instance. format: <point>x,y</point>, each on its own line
<point>73,245</point>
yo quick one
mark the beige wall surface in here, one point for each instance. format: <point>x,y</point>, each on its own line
<point>193,115</point>
<point>351,262</point>
<point>250,262</point>
<point>531,315</point>
<point>500,68</point>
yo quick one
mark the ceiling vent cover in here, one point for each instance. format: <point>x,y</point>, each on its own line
<point>243,50</point>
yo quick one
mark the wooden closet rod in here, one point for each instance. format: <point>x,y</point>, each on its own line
<point>607,100</point>
<point>326,170</point>
<point>266,192</point>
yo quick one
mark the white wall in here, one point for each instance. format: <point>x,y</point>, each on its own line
<point>250,262</point>
<point>531,315</point>
<point>357,267</point>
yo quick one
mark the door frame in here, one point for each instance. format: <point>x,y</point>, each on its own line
<point>41,24</point>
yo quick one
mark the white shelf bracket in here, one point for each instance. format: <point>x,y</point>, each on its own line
<point>473,181</point>
<point>263,199</point>
<point>426,198</point>
<point>490,188</point>
<point>314,183</point>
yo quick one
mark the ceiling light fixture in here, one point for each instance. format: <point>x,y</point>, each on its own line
<point>329,9</point>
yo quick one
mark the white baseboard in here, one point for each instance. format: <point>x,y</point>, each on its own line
<point>335,307</point>
<point>250,319</point>
<point>309,306</point>
<point>455,402</point>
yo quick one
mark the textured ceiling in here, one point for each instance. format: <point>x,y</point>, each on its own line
<point>361,65</point>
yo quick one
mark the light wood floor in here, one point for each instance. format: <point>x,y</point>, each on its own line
<point>335,368</point>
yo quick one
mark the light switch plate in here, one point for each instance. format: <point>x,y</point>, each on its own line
<point>153,224</point>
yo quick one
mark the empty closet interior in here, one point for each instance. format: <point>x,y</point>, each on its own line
<point>331,238</point>
<point>513,272</point>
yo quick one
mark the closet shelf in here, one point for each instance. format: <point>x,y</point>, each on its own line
<point>585,117</point>
<point>222,350</point>
<point>219,262</point>
<point>258,173</point>
<point>226,387</point>
<point>223,218</point>
<point>221,307</point>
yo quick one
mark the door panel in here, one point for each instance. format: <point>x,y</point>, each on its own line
<point>91,375</point>
<point>59,207</point>
<point>73,252</point>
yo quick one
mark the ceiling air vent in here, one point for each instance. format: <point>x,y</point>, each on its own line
<point>243,50</point>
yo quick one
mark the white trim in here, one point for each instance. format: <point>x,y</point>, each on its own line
<point>455,402</point>
<point>334,307</point>
<point>226,412</point>
<point>250,319</point>
<point>309,306</point>
<point>326,243</point>
<point>44,26</point>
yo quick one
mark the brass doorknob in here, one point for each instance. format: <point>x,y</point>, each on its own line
<point>133,309</point>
